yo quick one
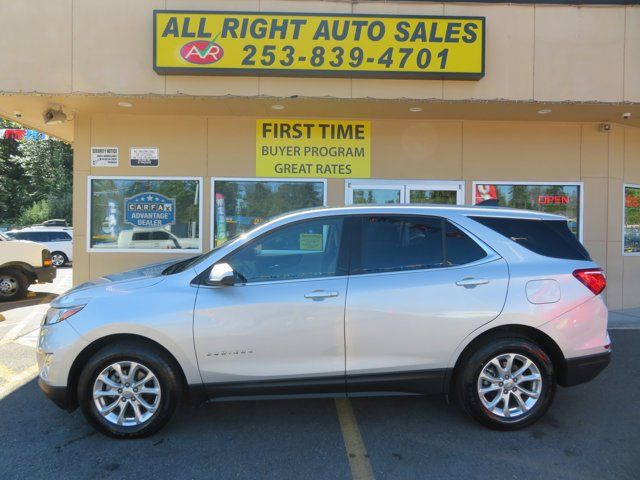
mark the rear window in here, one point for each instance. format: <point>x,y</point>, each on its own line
<point>58,236</point>
<point>551,238</point>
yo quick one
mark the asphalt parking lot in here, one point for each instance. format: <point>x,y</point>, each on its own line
<point>591,432</point>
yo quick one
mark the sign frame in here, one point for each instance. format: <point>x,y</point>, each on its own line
<point>133,162</point>
<point>279,72</point>
<point>162,251</point>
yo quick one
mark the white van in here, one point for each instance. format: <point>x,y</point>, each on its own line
<point>58,240</point>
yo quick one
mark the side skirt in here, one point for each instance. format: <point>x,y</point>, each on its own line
<point>420,382</point>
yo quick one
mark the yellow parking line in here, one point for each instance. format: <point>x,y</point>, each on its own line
<point>356,451</point>
<point>18,380</point>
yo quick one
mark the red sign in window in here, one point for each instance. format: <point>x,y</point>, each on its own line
<point>553,199</point>
<point>632,201</point>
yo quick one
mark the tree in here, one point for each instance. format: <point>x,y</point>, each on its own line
<point>36,178</point>
<point>13,189</point>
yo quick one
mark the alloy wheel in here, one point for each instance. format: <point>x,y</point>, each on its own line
<point>509,385</point>
<point>57,259</point>
<point>126,393</point>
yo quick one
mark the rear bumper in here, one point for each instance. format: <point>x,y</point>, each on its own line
<point>583,369</point>
<point>58,395</point>
<point>45,274</point>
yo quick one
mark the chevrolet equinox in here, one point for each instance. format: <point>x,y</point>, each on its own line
<point>491,307</point>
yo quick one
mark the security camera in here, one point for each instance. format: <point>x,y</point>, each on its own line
<point>18,114</point>
<point>604,127</point>
<point>54,117</point>
<point>626,115</point>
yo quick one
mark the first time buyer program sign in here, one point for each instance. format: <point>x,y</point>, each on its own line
<point>313,148</point>
<point>289,44</point>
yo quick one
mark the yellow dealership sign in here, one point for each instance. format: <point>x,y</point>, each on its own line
<point>313,148</point>
<point>288,44</point>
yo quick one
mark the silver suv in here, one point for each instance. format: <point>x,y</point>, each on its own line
<point>492,307</point>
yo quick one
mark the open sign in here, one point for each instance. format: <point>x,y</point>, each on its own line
<point>553,199</point>
<point>201,52</point>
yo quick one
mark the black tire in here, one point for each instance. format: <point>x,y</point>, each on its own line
<point>13,285</point>
<point>64,259</point>
<point>152,359</point>
<point>466,383</point>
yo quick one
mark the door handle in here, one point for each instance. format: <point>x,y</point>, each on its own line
<point>472,282</point>
<point>320,294</point>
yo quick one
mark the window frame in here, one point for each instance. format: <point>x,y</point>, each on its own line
<point>405,185</point>
<point>212,197</point>
<point>580,186</point>
<point>355,246</point>
<point>624,216</point>
<point>162,251</point>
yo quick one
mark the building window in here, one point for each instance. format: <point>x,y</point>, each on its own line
<point>239,204</point>
<point>560,199</point>
<point>155,214</point>
<point>631,223</point>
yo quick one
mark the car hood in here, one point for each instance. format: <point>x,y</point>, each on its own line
<point>115,283</point>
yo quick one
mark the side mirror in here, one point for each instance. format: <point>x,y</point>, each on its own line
<point>221,275</point>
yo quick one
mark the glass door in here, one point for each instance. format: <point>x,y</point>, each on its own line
<point>413,192</point>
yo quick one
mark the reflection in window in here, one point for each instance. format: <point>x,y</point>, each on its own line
<point>240,205</point>
<point>444,197</point>
<point>138,213</point>
<point>307,249</point>
<point>557,199</point>
<point>391,243</point>
<point>632,219</point>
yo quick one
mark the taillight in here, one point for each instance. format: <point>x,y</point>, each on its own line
<point>46,258</point>
<point>592,278</point>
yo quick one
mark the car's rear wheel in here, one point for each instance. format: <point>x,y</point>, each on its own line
<point>13,285</point>
<point>59,259</point>
<point>129,390</point>
<point>507,383</point>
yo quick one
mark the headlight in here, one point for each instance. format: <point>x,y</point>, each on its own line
<point>55,315</point>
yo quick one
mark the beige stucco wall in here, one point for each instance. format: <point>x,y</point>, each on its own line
<point>401,149</point>
<point>541,53</point>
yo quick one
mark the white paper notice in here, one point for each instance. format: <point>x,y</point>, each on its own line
<point>104,156</point>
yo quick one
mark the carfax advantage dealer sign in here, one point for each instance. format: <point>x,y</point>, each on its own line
<point>289,44</point>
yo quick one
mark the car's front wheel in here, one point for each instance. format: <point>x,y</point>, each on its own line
<point>128,390</point>
<point>507,383</point>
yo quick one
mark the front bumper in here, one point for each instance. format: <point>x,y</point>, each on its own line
<point>583,369</point>
<point>45,274</point>
<point>58,395</point>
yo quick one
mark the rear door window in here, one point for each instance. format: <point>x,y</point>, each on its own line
<point>389,243</point>
<point>550,238</point>
<point>460,247</point>
<point>396,243</point>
